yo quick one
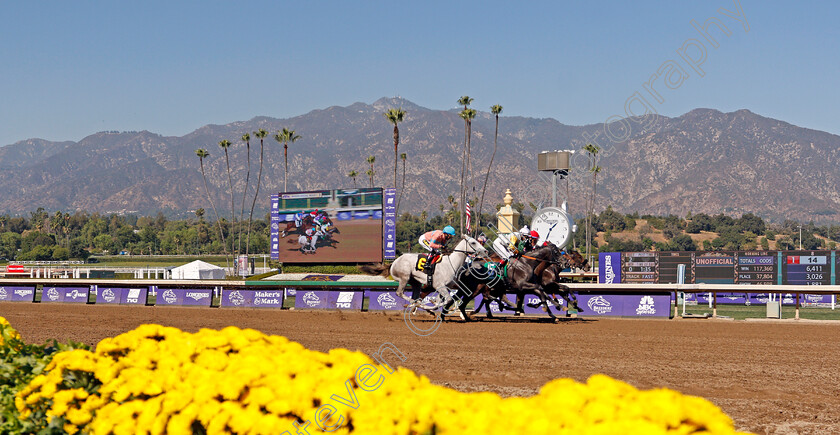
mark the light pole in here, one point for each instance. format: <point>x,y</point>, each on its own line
<point>800,237</point>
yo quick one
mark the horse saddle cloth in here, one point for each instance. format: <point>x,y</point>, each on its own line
<point>424,259</point>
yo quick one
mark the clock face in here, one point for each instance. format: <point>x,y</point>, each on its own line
<point>554,225</point>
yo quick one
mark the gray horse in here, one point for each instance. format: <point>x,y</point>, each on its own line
<point>408,269</point>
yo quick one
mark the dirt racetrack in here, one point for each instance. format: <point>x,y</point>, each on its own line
<point>356,241</point>
<point>770,377</point>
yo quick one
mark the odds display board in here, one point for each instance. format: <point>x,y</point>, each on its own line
<point>762,268</point>
<point>347,226</point>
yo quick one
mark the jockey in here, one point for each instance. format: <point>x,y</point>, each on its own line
<point>320,221</point>
<point>434,241</point>
<point>299,218</point>
<point>312,238</point>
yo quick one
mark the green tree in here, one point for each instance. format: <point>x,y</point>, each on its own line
<point>287,136</point>
<point>103,243</point>
<point>683,242</point>
<point>395,116</point>
<point>203,154</point>
<point>260,134</point>
<point>496,110</point>
<point>466,167</point>
<point>592,151</point>
<point>371,160</point>
<point>247,139</point>
<point>225,144</point>
<point>353,174</point>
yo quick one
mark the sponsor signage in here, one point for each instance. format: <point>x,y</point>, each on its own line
<point>15,268</point>
<point>121,295</point>
<point>625,305</point>
<point>379,300</point>
<point>746,298</point>
<point>71,295</point>
<point>187,297</point>
<point>274,248</point>
<point>252,298</point>
<point>529,299</point>
<point>17,294</point>
<point>346,300</point>
<point>609,267</point>
<point>389,224</point>
<point>314,299</point>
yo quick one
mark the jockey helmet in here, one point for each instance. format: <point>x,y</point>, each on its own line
<point>449,230</point>
<point>310,232</point>
<point>525,231</point>
<point>535,234</point>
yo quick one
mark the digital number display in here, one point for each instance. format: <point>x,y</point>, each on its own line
<point>756,267</point>
<point>807,268</point>
<point>640,267</point>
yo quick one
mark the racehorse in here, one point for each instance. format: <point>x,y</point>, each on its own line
<point>307,223</point>
<point>407,269</point>
<point>305,243</point>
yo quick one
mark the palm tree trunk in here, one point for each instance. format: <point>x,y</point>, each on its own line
<point>487,177</point>
<point>244,194</point>
<point>463,169</point>
<point>232,206</point>
<point>396,156</point>
<point>254,203</point>
<point>215,212</point>
<point>402,189</point>
<point>285,165</point>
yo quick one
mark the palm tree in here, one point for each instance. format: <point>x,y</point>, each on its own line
<point>468,115</point>
<point>464,101</point>
<point>495,110</point>
<point>371,160</point>
<point>369,173</point>
<point>203,154</point>
<point>287,136</point>
<point>592,153</point>
<point>403,157</point>
<point>260,134</point>
<point>225,144</point>
<point>353,174</point>
<point>395,116</point>
<point>424,215</point>
<point>247,139</point>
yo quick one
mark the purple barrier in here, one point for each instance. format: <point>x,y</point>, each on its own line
<point>529,299</point>
<point>70,295</point>
<point>347,300</point>
<point>384,300</point>
<point>179,296</point>
<point>17,294</point>
<point>252,298</point>
<point>625,305</point>
<point>121,295</point>
<point>816,300</point>
<point>316,299</point>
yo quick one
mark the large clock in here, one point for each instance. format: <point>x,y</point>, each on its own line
<point>554,225</point>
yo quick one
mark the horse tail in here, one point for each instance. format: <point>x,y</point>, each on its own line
<point>375,269</point>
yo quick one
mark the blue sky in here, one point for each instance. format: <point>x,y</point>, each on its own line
<point>69,69</point>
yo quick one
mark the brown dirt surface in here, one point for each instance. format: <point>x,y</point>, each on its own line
<point>357,241</point>
<point>770,377</point>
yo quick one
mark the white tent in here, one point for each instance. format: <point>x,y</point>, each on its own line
<point>198,270</point>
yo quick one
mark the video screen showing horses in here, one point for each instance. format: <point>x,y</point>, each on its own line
<point>328,226</point>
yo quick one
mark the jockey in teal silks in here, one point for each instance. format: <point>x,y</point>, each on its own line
<point>434,241</point>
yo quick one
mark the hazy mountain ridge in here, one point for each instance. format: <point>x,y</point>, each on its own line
<point>704,161</point>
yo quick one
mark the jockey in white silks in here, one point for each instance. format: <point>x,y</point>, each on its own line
<point>299,218</point>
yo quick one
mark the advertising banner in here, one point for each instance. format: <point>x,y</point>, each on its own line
<point>386,300</point>
<point>390,224</point>
<point>274,248</point>
<point>184,297</point>
<point>72,295</point>
<point>17,294</point>
<point>346,300</point>
<point>625,305</point>
<point>609,267</point>
<point>745,298</point>
<point>314,299</point>
<point>817,300</point>
<point>529,299</point>
<point>328,226</point>
<point>121,295</point>
<point>252,298</point>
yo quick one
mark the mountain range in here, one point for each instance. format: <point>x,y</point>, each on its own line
<point>703,161</point>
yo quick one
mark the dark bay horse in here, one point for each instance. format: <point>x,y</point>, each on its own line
<point>307,223</point>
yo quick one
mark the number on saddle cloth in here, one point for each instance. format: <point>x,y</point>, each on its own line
<point>427,259</point>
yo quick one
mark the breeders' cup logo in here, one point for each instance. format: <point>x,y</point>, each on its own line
<point>236,298</point>
<point>387,301</point>
<point>609,275</point>
<point>52,294</point>
<point>646,306</point>
<point>344,300</point>
<point>3,294</point>
<point>600,305</point>
<point>108,295</point>
<point>274,226</point>
<point>169,296</point>
<point>311,299</point>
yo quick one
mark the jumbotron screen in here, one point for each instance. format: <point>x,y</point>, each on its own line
<point>327,226</point>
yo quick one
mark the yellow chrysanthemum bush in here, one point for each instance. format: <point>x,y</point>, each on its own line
<point>159,380</point>
<point>20,363</point>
